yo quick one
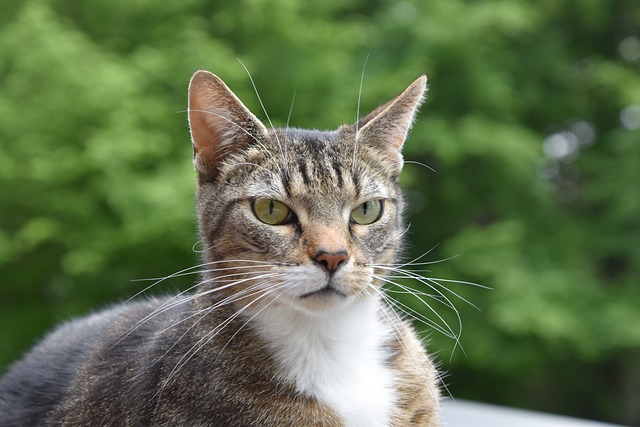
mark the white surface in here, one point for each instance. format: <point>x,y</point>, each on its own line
<point>462,413</point>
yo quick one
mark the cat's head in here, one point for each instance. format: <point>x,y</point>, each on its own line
<point>297,217</point>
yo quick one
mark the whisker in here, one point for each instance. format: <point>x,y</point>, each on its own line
<point>268,291</point>
<point>232,298</point>
<point>293,99</point>
<point>461,282</point>
<point>429,322</point>
<point>404,292</point>
<point>228,120</point>
<point>412,263</point>
<point>415,260</point>
<point>206,339</point>
<point>188,271</point>
<point>414,162</point>
<point>435,282</point>
<point>400,339</point>
<point>275,134</point>
<point>406,230</point>
<point>256,140</point>
<point>194,250</point>
<point>413,313</point>
<point>199,345</point>
<point>183,273</point>
<point>355,143</point>
<point>178,299</point>
<point>160,280</point>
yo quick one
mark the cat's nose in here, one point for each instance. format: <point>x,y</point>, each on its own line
<point>331,261</point>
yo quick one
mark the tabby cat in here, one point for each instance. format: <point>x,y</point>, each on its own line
<point>287,325</point>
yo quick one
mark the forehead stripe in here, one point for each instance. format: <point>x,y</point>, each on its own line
<point>338,171</point>
<point>302,165</point>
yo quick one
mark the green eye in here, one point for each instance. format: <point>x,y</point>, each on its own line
<point>271,211</point>
<point>367,213</point>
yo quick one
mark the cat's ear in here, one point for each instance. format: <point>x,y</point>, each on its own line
<point>219,122</point>
<point>386,127</point>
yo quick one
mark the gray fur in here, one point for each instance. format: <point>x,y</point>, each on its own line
<point>157,362</point>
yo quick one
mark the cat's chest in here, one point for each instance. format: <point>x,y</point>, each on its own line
<point>340,360</point>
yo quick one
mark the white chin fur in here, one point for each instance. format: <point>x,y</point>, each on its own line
<point>301,282</point>
<point>339,358</point>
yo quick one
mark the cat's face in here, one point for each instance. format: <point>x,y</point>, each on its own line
<point>295,217</point>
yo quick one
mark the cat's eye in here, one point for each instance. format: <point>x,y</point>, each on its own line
<point>367,213</point>
<point>271,211</point>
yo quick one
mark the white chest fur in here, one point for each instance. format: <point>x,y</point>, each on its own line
<point>337,358</point>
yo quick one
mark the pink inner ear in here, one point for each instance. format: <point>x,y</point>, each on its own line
<point>210,118</point>
<point>205,107</point>
<point>219,122</point>
<point>204,136</point>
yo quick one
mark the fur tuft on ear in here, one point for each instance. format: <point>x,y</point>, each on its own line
<point>219,122</point>
<point>386,127</point>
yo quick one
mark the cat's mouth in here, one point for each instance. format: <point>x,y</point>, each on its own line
<point>327,291</point>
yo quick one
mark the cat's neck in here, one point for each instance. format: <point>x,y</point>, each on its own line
<point>340,358</point>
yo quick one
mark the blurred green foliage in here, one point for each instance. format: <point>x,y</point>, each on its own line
<point>532,125</point>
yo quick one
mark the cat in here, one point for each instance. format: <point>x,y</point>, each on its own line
<point>288,324</point>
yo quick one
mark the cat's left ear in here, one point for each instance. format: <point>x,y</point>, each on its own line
<point>386,127</point>
<point>220,124</point>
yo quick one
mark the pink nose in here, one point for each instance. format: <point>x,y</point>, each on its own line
<point>331,261</point>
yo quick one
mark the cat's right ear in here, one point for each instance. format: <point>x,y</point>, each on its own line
<point>386,127</point>
<point>219,122</point>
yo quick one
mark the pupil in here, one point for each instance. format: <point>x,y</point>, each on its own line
<point>365,208</point>
<point>271,207</point>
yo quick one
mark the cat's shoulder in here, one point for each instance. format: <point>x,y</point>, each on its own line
<point>66,346</point>
<point>33,384</point>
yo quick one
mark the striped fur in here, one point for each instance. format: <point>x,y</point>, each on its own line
<point>321,176</point>
<point>287,324</point>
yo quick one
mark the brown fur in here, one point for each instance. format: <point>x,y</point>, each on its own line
<point>200,359</point>
<point>312,170</point>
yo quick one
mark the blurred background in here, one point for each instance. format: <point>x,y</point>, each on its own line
<point>532,127</point>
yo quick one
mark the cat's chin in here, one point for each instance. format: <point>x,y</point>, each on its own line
<point>322,304</point>
<point>322,301</point>
<point>326,292</point>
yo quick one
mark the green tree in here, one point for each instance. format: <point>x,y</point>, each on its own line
<point>531,126</point>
